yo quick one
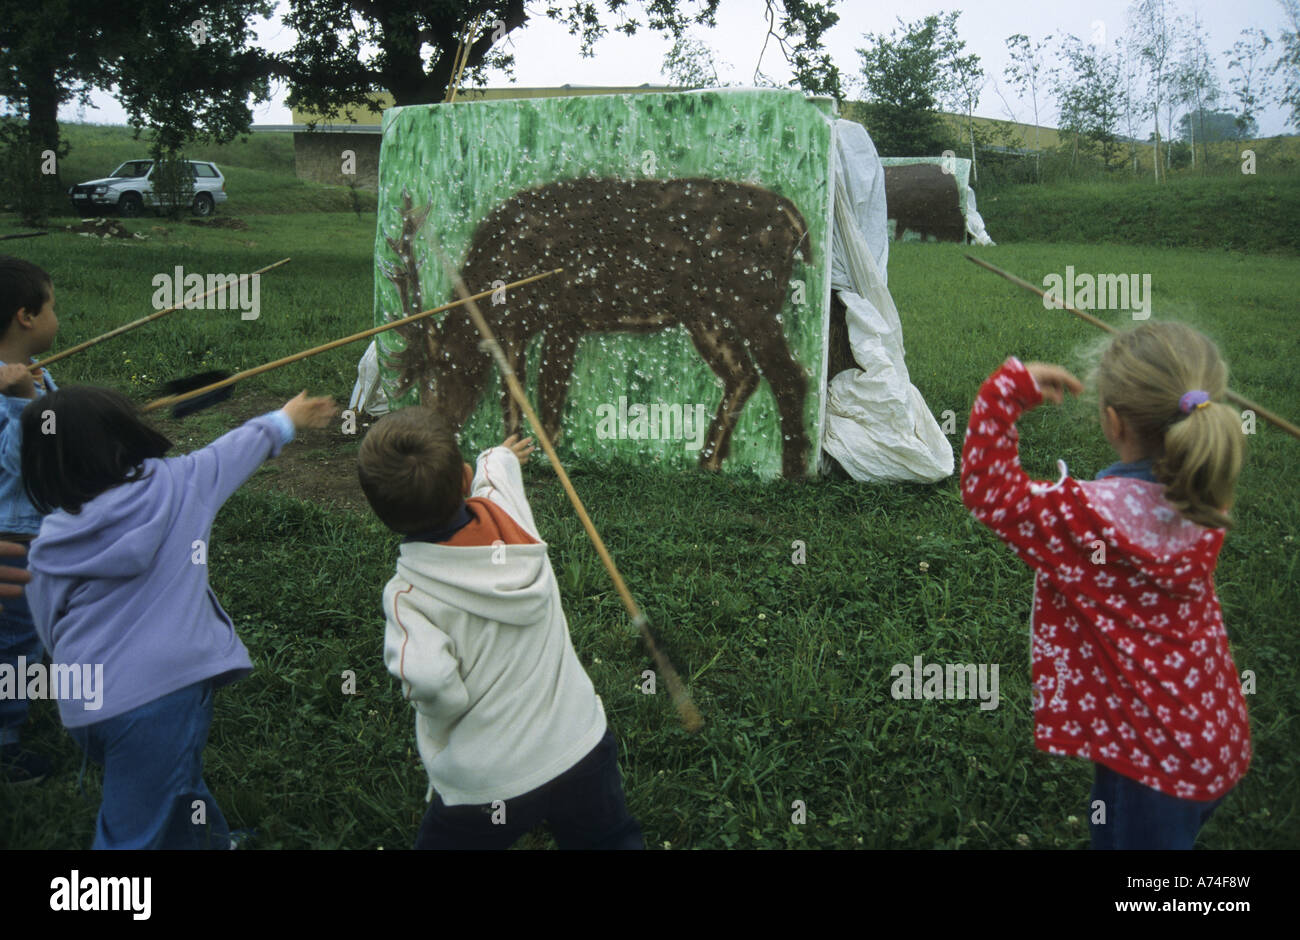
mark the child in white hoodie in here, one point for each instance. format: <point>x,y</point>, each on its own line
<point>508,724</point>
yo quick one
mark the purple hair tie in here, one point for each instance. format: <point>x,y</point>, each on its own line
<point>1193,400</point>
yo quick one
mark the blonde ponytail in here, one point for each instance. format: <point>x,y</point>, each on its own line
<point>1144,375</point>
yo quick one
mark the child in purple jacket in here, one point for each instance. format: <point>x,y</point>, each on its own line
<point>120,597</point>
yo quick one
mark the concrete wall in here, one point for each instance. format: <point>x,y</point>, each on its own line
<point>318,156</point>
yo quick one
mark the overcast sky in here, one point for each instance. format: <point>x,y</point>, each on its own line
<point>546,55</point>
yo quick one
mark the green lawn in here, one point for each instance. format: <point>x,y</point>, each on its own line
<point>789,664</point>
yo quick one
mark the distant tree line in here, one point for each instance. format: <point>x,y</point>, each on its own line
<point>186,71</point>
<point>1152,78</point>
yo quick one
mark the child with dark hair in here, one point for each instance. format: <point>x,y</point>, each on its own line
<point>1131,664</point>
<point>509,726</point>
<point>27,327</point>
<point>120,584</point>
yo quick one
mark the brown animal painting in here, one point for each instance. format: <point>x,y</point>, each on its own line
<point>711,256</point>
<point>921,198</point>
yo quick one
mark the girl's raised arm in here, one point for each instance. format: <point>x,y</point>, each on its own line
<point>1032,517</point>
<point>224,465</point>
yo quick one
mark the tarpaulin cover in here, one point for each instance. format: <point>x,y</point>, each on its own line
<point>877,424</point>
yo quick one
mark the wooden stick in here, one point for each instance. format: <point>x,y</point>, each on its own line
<point>686,710</point>
<point>455,73</point>
<point>143,320</point>
<point>267,367</point>
<point>464,62</point>
<point>462,58</point>
<point>1239,400</point>
<point>1100,324</point>
<point>451,85</point>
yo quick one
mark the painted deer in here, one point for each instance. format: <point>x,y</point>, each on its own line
<point>711,256</point>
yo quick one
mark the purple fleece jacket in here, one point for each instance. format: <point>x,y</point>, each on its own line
<point>124,582</point>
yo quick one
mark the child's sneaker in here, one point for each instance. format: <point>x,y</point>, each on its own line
<point>22,768</point>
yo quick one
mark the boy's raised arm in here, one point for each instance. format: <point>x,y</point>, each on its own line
<point>500,479</point>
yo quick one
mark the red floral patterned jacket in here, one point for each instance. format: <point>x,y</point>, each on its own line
<point>1131,666</point>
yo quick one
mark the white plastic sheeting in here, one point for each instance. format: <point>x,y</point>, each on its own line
<point>975,222</point>
<point>368,394</point>
<point>877,424</point>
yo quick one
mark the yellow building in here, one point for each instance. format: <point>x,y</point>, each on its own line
<point>324,150</point>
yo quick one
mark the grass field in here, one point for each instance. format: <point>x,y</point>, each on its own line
<point>790,664</point>
<point>1235,212</point>
<point>259,171</point>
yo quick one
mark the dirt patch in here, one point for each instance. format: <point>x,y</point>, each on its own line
<point>102,228</point>
<point>230,222</point>
<point>320,465</point>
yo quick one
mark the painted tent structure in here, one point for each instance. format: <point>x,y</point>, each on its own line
<point>930,199</point>
<point>695,231</point>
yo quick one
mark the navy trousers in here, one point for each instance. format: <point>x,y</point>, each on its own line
<point>154,794</point>
<point>1138,817</point>
<point>584,807</point>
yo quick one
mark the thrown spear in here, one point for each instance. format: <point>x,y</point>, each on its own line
<point>1232,396</point>
<point>150,318</point>
<point>686,710</point>
<point>211,392</point>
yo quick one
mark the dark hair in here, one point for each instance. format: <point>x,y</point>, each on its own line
<point>80,441</point>
<point>23,286</point>
<point>410,469</point>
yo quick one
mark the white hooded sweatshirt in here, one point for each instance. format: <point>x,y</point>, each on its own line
<point>477,635</point>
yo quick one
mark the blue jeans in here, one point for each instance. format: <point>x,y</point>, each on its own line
<point>584,806</point>
<point>1138,817</point>
<point>17,638</point>
<point>154,794</point>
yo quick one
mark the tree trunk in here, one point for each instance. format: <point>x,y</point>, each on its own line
<point>970,120</point>
<point>1038,167</point>
<point>1205,150</point>
<point>1169,136</point>
<point>1155,150</point>
<point>39,104</point>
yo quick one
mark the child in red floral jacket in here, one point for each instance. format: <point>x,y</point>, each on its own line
<point>1131,666</point>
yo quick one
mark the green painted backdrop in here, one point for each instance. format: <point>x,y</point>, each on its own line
<point>465,158</point>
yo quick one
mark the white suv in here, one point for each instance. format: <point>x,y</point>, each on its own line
<point>129,189</point>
